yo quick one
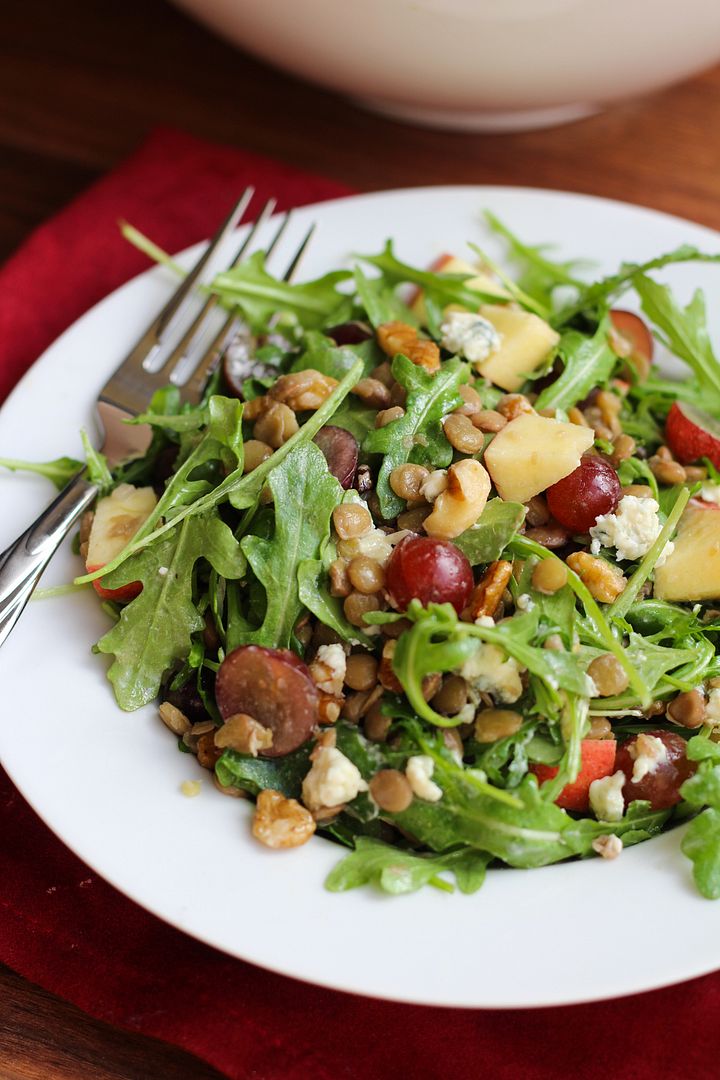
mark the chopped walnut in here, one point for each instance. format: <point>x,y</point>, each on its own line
<point>487,594</point>
<point>513,405</point>
<point>243,733</point>
<point>303,390</point>
<point>281,822</point>
<point>399,337</point>
<point>604,581</point>
<point>173,718</point>
<point>386,674</point>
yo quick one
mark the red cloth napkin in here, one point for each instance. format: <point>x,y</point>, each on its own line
<point>69,931</point>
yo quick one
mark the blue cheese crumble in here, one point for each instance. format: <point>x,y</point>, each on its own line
<point>470,335</point>
<point>631,530</point>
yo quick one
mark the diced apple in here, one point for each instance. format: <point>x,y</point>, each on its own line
<point>526,342</point>
<point>532,452</point>
<point>450,264</point>
<point>692,571</point>
<point>117,518</point>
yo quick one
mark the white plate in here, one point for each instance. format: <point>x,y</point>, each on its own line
<point>108,783</point>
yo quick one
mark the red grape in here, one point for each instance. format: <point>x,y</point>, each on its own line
<point>661,787</point>
<point>341,452</point>
<point>431,571</point>
<point>350,333</point>
<point>274,687</point>
<point>579,499</point>
<point>634,336</point>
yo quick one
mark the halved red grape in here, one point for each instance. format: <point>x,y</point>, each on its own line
<point>350,333</point>
<point>275,688</point>
<point>631,335</point>
<point>431,571</point>
<point>341,452</point>
<point>579,499</point>
<point>661,786</point>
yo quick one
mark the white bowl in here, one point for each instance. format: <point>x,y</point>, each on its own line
<point>477,65</point>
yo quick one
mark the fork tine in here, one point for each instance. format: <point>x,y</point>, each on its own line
<point>195,385</point>
<point>129,385</point>
<point>188,339</point>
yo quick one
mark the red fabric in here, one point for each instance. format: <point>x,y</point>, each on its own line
<point>69,931</point>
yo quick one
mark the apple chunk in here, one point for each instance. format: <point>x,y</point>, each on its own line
<point>117,518</point>
<point>692,570</point>
<point>450,264</point>
<point>532,452</point>
<point>526,341</point>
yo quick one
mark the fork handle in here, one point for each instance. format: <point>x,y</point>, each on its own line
<point>22,564</point>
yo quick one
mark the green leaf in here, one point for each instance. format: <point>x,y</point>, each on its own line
<point>284,774</point>
<point>703,789</point>
<point>589,362</point>
<point>260,296</point>
<point>155,630</point>
<point>237,488</point>
<point>305,494</point>
<point>400,872</point>
<point>417,436</point>
<point>444,288</point>
<point>683,331</point>
<point>701,844</point>
<point>600,293</point>
<point>315,595</point>
<point>59,472</point>
<point>97,467</point>
<point>381,303</point>
<point>540,275</point>
<point>322,354</point>
<point>485,541</point>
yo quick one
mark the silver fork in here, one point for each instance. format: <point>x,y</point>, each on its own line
<point>126,394</point>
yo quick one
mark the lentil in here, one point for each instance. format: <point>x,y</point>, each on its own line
<point>366,575</point>
<point>276,425</point>
<point>489,421</point>
<point>609,675</point>
<point>549,576</point>
<point>687,709</point>
<point>462,435</point>
<point>451,697</point>
<point>386,416</point>
<point>361,671</point>
<point>494,724</point>
<point>373,393</point>
<point>255,453</point>
<point>357,605</point>
<point>391,791</point>
<point>351,520</point>
<point>407,481</point>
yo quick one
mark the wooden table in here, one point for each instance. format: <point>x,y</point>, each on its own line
<point>81,83</point>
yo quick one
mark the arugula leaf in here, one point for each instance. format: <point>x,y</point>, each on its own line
<point>417,436</point>
<point>381,303</point>
<point>485,541</point>
<point>316,597</point>
<point>600,293</point>
<point>589,362</point>
<point>683,331</point>
<point>701,844</point>
<point>237,488</point>
<point>400,872</point>
<point>305,494</point>
<point>284,774</point>
<point>443,288</point>
<point>540,275</point>
<point>322,354</point>
<point>155,629</point>
<point>59,472</point>
<point>97,467</point>
<point>260,296</point>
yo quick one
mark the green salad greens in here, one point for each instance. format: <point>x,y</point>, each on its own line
<point>433,571</point>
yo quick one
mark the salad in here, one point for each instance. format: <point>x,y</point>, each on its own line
<point>433,571</point>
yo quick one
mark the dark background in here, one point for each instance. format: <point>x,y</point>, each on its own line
<point>83,81</point>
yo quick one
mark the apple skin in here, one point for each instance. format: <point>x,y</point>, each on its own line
<point>689,435</point>
<point>123,595</point>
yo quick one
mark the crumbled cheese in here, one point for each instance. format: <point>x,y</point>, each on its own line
<point>710,493</point>
<point>712,708</point>
<point>525,602</point>
<point>647,752</point>
<point>190,788</point>
<point>434,485</point>
<point>470,335</point>
<point>375,544</point>
<point>631,530</point>
<point>606,797</point>
<point>419,770</point>
<point>484,620</point>
<point>490,670</point>
<point>162,571</point>
<point>607,847</point>
<point>328,668</point>
<point>332,780</point>
<point>591,687</point>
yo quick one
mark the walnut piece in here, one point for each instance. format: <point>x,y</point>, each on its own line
<point>281,822</point>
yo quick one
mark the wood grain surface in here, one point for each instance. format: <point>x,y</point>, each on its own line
<point>82,82</point>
